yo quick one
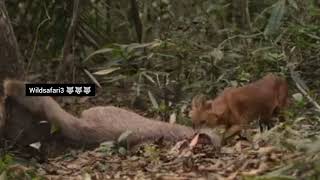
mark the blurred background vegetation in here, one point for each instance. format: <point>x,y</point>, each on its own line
<point>160,53</point>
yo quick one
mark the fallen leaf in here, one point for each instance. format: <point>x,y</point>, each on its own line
<point>194,141</point>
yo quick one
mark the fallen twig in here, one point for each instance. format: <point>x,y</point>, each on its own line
<point>296,79</point>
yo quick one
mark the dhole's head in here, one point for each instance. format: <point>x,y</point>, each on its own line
<point>201,114</point>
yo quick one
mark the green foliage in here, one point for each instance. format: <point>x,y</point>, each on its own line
<point>276,17</point>
<point>9,169</point>
<point>118,147</point>
<point>151,152</point>
<point>106,147</point>
<point>5,161</point>
<point>299,101</point>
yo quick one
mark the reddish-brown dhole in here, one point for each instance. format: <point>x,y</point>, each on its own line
<point>235,108</point>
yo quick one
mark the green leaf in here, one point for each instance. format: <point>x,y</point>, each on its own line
<point>5,161</point>
<point>114,78</point>
<point>100,51</point>
<point>124,137</point>
<point>106,147</point>
<point>92,78</point>
<point>108,144</point>
<point>148,77</point>
<point>135,46</point>
<point>106,71</point>
<point>54,128</point>
<point>276,17</point>
<point>122,151</point>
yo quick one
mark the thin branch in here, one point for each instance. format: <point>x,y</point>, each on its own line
<point>238,36</point>
<point>71,31</point>
<point>67,47</point>
<point>303,91</point>
<point>301,85</point>
<point>247,15</point>
<point>48,18</point>
<point>136,19</point>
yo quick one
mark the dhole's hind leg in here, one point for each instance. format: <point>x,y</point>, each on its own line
<point>261,125</point>
<point>266,121</point>
<point>280,113</point>
<point>271,120</point>
<point>265,125</point>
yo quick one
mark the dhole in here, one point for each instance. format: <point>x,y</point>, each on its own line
<point>236,107</point>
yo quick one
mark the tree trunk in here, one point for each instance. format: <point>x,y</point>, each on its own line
<point>67,63</point>
<point>136,19</point>
<point>10,57</point>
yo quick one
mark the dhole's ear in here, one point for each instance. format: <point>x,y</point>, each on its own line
<point>199,101</point>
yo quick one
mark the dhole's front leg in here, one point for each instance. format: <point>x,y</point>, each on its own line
<point>231,131</point>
